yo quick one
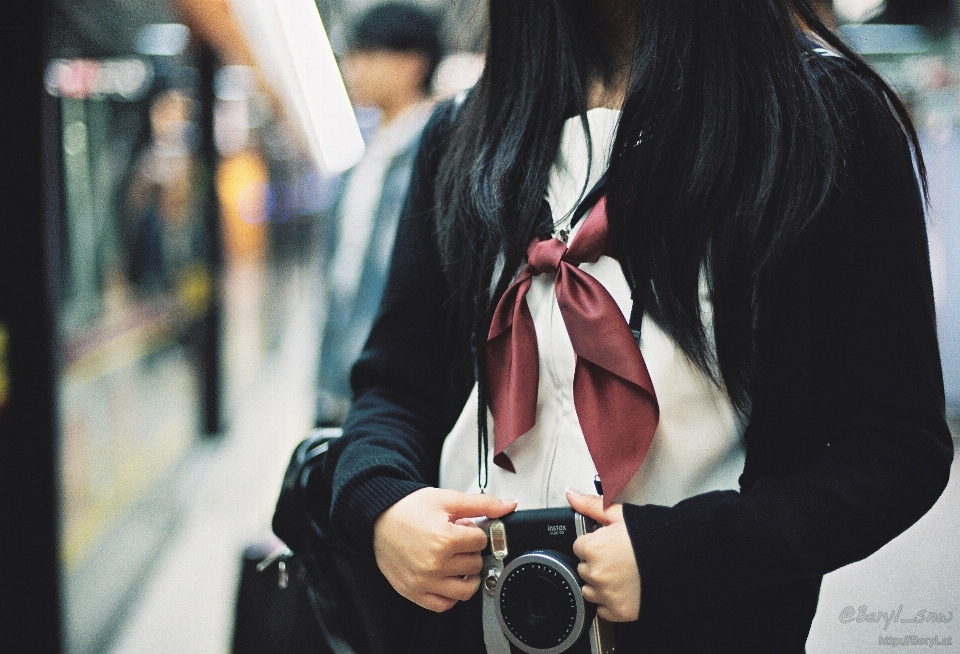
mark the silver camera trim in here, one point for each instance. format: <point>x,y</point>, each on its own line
<point>545,558</point>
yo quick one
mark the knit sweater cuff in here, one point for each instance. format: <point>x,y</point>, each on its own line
<point>358,505</point>
<point>684,553</point>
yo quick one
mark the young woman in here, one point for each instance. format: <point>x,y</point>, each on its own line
<point>748,204</point>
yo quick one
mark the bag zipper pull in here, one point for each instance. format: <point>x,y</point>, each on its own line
<point>282,552</point>
<point>283,577</point>
<point>278,556</point>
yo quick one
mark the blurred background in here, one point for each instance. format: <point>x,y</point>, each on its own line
<point>182,292</point>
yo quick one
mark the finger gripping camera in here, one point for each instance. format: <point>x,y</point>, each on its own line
<point>532,598</point>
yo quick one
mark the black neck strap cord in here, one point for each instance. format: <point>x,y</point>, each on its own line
<point>590,200</point>
<point>483,439</point>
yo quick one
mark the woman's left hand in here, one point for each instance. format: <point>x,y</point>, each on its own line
<point>607,563</point>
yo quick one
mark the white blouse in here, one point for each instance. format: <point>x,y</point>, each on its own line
<point>698,446</point>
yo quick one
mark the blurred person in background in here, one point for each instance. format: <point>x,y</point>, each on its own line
<point>391,57</point>
<point>164,234</point>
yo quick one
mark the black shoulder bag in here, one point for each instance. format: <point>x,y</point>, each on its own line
<point>356,609</point>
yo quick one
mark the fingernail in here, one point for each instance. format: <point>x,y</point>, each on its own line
<point>573,491</point>
<point>510,501</point>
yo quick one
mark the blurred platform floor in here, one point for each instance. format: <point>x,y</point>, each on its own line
<point>186,606</point>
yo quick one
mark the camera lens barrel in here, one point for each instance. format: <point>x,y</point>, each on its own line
<point>539,603</point>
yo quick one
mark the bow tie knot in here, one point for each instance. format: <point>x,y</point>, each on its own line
<point>545,256</point>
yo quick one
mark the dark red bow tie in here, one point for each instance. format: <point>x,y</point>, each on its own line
<point>612,391</point>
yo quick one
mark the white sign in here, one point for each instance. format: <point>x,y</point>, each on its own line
<point>125,79</point>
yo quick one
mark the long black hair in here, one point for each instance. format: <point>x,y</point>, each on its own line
<point>729,146</point>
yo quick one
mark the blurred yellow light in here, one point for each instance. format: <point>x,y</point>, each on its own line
<point>4,366</point>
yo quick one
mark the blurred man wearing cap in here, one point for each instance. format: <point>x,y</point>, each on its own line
<point>393,52</point>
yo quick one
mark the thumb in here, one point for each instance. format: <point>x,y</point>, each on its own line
<point>588,505</point>
<point>472,505</point>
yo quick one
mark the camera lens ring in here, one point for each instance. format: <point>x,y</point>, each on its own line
<point>556,563</point>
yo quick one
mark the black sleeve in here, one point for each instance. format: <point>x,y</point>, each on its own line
<point>846,445</point>
<point>408,389</point>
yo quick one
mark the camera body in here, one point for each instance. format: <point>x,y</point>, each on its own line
<point>532,599</point>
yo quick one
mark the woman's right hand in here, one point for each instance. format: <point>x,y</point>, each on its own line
<point>427,549</point>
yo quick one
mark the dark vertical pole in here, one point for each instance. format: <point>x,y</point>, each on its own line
<point>210,360</point>
<point>29,598</point>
